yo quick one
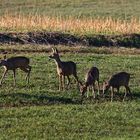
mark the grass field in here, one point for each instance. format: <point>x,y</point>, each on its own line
<point>40,111</point>
<point>72,16</point>
<point>122,9</point>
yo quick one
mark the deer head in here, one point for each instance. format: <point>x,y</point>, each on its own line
<point>55,54</point>
<point>105,87</point>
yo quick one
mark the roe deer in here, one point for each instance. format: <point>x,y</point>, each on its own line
<point>64,69</point>
<point>91,77</point>
<point>116,81</point>
<point>13,63</point>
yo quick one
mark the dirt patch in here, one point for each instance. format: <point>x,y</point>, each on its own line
<point>57,38</point>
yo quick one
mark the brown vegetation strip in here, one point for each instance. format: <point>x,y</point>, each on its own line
<point>58,38</point>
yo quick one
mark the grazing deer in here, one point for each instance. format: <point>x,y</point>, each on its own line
<point>91,77</point>
<point>64,69</point>
<point>116,81</point>
<point>13,63</point>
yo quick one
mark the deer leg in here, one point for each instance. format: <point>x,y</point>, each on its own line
<point>68,83</point>
<point>126,90</point>
<point>112,92</point>
<point>28,73</point>
<point>5,71</point>
<point>60,82</point>
<point>63,78</point>
<point>98,87</point>
<point>14,77</point>
<point>130,92</point>
<point>88,90</point>
<point>93,91</point>
<point>118,89</point>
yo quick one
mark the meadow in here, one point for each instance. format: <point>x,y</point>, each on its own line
<point>40,111</point>
<point>122,9</point>
<point>80,17</point>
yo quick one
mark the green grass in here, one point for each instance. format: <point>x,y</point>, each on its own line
<point>123,9</point>
<point>99,121</point>
<point>40,111</point>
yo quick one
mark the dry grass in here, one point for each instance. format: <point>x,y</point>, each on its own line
<point>69,24</point>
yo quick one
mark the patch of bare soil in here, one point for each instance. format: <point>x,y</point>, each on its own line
<point>58,38</point>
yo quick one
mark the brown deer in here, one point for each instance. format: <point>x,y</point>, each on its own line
<point>116,81</point>
<point>64,69</point>
<point>91,77</point>
<point>13,63</point>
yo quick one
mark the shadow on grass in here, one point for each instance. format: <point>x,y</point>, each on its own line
<point>23,99</point>
<point>107,97</point>
<point>135,95</point>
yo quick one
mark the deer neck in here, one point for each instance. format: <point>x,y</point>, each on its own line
<point>58,62</point>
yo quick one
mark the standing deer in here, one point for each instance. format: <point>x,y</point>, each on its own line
<point>64,69</point>
<point>13,63</point>
<point>116,81</point>
<point>91,77</point>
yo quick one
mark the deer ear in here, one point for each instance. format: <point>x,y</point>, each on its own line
<point>53,50</point>
<point>56,50</point>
